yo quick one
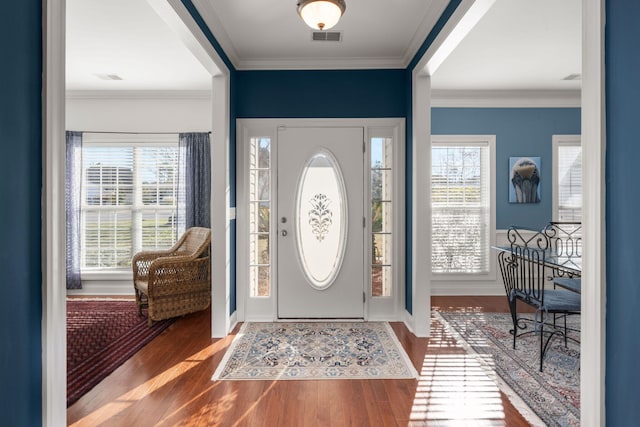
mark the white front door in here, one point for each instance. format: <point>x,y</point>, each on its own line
<point>320,222</point>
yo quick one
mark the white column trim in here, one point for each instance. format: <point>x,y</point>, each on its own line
<point>421,209</point>
<point>593,349</point>
<point>54,323</point>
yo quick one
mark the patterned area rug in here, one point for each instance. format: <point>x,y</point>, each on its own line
<point>102,335</point>
<point>553,395</point>
<point>311,351</point>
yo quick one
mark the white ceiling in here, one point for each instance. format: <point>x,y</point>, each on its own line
<point>127,38</point>
<point>518,44</point>
<point>270,34</point>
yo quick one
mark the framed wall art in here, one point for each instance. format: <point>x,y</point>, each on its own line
<point>524,179</point>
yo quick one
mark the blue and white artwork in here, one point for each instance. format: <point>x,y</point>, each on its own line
<point>524,179</point>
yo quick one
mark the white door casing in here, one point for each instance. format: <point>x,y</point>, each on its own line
<point>320,229</point>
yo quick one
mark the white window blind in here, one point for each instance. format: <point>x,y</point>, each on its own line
<point>461,207</point>
<point>129,200</point>
<point>569,182</point>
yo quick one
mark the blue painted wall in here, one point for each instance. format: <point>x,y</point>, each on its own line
<point>519,132</point>
<point>20,236</point>
<point>622,207</point>
<point>320,93</point>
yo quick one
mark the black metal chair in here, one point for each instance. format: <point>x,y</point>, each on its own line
<point>565,240</point>
<point>524,274</point>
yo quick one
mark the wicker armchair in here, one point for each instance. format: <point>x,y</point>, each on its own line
<point>175,281</point>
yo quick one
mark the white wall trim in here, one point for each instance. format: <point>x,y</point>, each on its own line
<point>424,29</point>
<point>54,325</point>
<point>461,288</point>
<point>421,208</point>
<point>104,287</point>
<point>593,350</point>
<point>211,19</point>
<point>505,98</point>
<point>139,94</point>
<point>464,18</point>
<point>320,64</point>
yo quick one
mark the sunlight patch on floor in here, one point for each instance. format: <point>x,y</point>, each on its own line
<point>455,388</point>
<point>145,389</point>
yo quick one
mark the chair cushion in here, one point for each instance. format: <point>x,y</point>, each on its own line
<point>574,285</point>
<point>142,286</point>
<point>561,300</point>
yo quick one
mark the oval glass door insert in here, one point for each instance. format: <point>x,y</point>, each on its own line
<point>321,219</point>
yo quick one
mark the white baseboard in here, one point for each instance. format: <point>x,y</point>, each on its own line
<point>233,321</point>
<point>407,319</point>
<point>451,288</point>
<point>104,287</point>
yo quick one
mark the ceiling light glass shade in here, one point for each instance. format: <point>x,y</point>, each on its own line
<point>321,14</point>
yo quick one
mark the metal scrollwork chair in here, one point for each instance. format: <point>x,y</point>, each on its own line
<point>175,281</point>
<point>522,266</point>
<point>565,240</point>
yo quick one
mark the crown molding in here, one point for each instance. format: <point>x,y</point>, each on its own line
<point>321,64</point>
<point>434,12</point>
<point>211,20</point>
<point>506,98</point>
<point>138,94</point>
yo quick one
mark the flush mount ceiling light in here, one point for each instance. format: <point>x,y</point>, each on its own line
<point>321,14</point>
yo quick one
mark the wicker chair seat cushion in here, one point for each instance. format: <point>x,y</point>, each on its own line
<point>142,286</point>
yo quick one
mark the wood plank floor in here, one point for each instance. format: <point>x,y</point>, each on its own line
<point>168,383</point>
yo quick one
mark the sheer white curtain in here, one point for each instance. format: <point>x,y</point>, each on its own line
<point>72,207</point>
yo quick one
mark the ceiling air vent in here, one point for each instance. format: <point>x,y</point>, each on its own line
<point>326,36</point>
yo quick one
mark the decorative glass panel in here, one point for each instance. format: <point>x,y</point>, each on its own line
<point>321,219</point>
<point>259,216</point>
<point>381,216</point>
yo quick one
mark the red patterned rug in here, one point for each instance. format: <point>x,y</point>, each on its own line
<point>102,335</point>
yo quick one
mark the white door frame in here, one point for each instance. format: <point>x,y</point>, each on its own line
<point>593,350</point>
<point>265,308</point>
<point>54,372</point>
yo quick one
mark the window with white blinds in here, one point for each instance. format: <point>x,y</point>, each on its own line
<point>129,197</point>
<point>567,178</point>
<point>462,183</point>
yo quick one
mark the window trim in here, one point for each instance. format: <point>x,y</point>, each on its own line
<point>472,140</point>
<point>557,141</point>
<point>125,139</point>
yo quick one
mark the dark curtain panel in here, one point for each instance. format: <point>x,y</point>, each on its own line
<point>195,179</point>
<point>72,205</point>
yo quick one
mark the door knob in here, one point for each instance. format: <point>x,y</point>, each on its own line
<point>284,233</point>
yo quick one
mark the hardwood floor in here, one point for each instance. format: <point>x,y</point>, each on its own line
<point>168,383</point>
